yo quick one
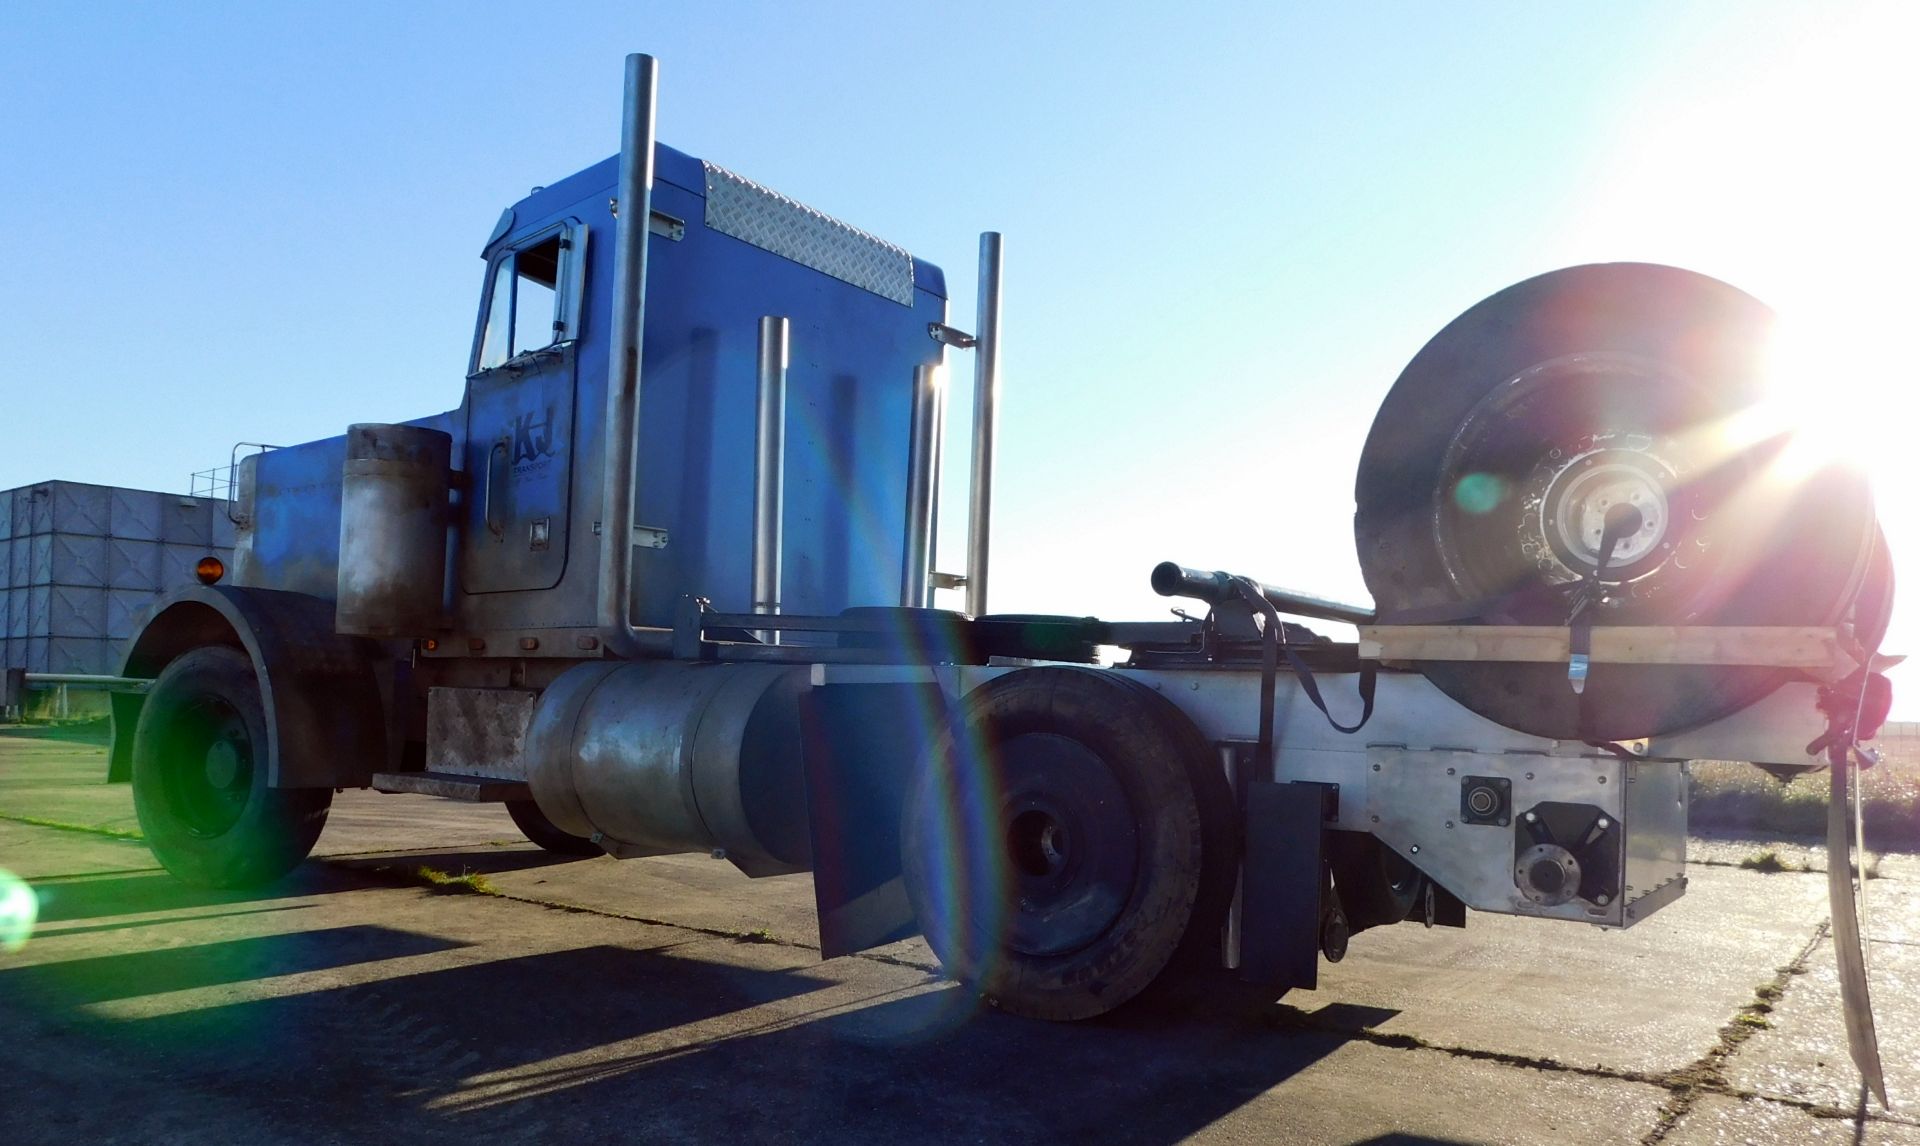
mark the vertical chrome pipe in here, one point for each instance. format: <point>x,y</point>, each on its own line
<point>923,484</point>
<point>621,432</point>
<point>769,467</point>
<point>986,395</point>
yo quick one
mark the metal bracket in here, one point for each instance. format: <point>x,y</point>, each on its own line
<point>949,336</point>
<point>948,580</point>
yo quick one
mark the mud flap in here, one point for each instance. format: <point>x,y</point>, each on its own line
<point>1281,883</point>
<point>862,743</point>
<point>1848,946</point>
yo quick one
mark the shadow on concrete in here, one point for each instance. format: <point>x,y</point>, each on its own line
<point>90,897</point>
<point>164,921</point>
<point>100,978</point>
<point>588,1044</point>
<point>480,860</point>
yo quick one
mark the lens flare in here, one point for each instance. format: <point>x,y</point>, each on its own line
<point>19,910</point>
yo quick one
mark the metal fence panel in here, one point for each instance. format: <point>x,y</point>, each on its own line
<point>186,521</point>
<point>77,560</point>
<point>133,564</point>
<point>77,611</point>
<point>127,611</point>
<point>134,513</point>
<point>78,654</point>
<point>81,509</point>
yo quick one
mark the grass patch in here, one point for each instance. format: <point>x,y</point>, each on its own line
<point>759,935</point>
<point>1739,798</point>
<point>466,883</point>
<point>90,829</point>
<point>1766,861</point>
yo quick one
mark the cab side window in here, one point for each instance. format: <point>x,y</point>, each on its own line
<point>530,301</point>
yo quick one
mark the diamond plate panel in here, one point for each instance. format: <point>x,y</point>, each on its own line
<point>135,514</point>
<point>769,220</point>
<point>478,731</point>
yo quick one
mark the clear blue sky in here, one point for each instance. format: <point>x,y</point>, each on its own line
<point>1227,225</point>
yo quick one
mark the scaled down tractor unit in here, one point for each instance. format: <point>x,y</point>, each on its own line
<point>660,583</point>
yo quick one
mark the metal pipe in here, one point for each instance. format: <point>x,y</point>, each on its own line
<point>634,202</point>
<point>986,394</point>
<point>44,680</point>
<point>769,467</point>
<point>1172,580</point>
<point>923,484</point>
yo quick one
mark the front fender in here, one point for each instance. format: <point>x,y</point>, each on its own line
<point>326,725</point>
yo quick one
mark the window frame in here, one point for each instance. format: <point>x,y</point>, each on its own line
<point>569,279</point>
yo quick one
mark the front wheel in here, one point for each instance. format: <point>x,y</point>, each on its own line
<point>200,759</point>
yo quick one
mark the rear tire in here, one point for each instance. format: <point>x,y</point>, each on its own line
<point>1068,842</point>
<point>533,824</point>
<point>200,764</point>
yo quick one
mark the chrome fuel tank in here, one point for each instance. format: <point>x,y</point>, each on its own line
<point>651,758</point>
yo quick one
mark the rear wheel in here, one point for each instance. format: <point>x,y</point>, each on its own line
<point>533,824</point>
<point>200,761</point>
<point>1068,842</point>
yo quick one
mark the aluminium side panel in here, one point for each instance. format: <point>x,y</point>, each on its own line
<point>20,563</point>
<point>38,501</point>
<point>76,559</point>
<point>177,563</point>
<point>77,611</point>
<point>127,612</point>
<point>80,509</point>
<point>186,521</point>
<point>134,514</point>
<point>133,564</point>
<point>79,655</point>
<point>16,617</point>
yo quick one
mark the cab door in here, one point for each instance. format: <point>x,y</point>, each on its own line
<point>520,415</point>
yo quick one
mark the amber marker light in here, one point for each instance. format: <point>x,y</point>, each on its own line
<point>209,569</point>
<point>429,644</point>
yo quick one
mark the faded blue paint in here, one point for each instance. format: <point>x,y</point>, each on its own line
<point>848,414</point>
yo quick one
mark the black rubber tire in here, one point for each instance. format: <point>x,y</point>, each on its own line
<point>1174,818</point>
<point>228,830</point>
<point>533,824</point>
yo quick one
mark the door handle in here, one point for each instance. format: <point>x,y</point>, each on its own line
<point>496,480</point>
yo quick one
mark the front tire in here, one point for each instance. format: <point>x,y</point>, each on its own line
<point>200,763</point>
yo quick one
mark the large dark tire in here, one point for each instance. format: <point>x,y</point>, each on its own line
<point>533,824</point>
<point>200,760</point>
<point>1068,841</point>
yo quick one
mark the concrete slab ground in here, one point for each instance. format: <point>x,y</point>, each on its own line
<point>674,1000</point>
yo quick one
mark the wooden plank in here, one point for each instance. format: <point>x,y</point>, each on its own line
<point>1809,647</point>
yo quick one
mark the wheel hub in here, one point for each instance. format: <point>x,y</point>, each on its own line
<point>1070,847</point>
